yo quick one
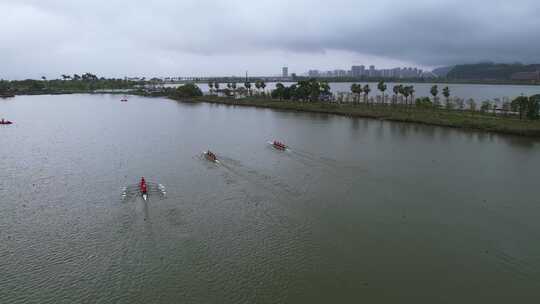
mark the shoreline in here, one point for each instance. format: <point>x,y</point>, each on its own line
<point>443,118</point>
<point>456,119</point>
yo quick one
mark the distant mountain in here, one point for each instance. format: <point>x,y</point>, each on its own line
<point>494,71</point>
<point>442,71</point>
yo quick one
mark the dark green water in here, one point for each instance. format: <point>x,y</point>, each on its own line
<point>358,210</point>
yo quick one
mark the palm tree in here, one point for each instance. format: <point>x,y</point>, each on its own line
<point>405,92</point>
<point>258,85</point>
<point>357,90</point>
<point>411,92</point>
<point>211,87</point>
<point>396,92</point>
<point>233,87</point>
<point>434,91</point>
<point>446,93</point>
<point>353,91</point>
<point>366,90</point>
<point>382,87</point>
<point>247,85</point>
<point>263,86</point>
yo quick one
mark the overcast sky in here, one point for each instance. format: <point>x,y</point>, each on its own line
<point>228,37</point>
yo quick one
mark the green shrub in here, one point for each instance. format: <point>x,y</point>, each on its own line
<point>188,90</point>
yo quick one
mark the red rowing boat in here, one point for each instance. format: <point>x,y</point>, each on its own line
<point>210,156</point>
<point>143,188</point>
<point>279,145</point>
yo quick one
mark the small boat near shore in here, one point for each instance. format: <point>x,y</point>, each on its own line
<point>5,122</point>
<point>124,99</point>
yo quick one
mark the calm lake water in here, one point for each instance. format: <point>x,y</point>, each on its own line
<point>479,92</point>
<point>357,211</point>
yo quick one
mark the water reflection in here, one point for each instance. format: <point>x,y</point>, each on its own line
<point>519,141</point>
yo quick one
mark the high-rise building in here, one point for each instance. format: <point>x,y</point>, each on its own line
<point>356,71</point>
<point>285,72</point>
<point>340,73</point>
<point>314,73</point>
<point>371,71</point>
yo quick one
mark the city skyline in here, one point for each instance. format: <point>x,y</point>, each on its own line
<point>371,71</point>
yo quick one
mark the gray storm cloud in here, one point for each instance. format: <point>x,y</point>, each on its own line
<point>211,37</point>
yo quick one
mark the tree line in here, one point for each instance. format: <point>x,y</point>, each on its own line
<point>315,90</point>
<point>66,83</point>
<point>232,88</point>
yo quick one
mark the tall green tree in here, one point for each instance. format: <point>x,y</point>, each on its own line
<point>279,91</point>
<point>366,91</point>
<point>411,92</point>
<point>188,90</point>
<point>434,92</point>
<point>357,90</point>
<point>263,86</point>
<point>405,93</point>
<point>314,90</point>
<point>396,91</point>
<point>382,87</point>
<point>302,90</point>
<point>485,106</point>
<point>533,108</point>
<point>247,85</point>
<point>446,93</point>
<point>233,87</point>
<point>519,105</point>
<point>472,105</point>
<point>325,89</point>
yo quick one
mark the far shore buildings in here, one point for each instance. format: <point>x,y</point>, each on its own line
<point>285,72</point>
<point>357,71</point>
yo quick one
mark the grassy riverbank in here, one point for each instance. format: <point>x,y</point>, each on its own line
<point>453,119</point>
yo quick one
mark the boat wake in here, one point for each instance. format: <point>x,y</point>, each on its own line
<point>328,165</point>
<point>235,172</point>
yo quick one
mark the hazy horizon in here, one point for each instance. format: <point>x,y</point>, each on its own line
<point>222,38</point>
